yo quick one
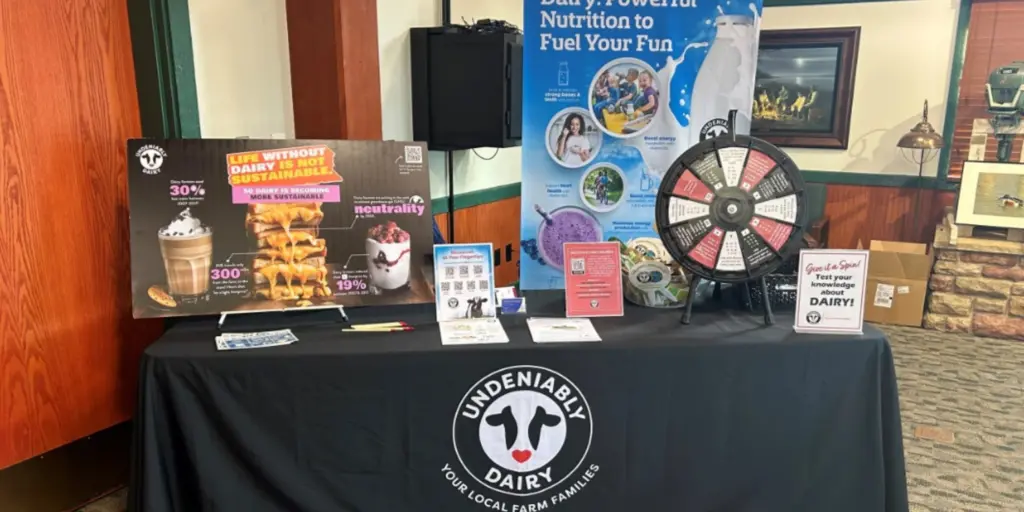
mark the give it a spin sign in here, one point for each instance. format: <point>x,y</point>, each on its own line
<point>830,291</point>
<point>521,437</point>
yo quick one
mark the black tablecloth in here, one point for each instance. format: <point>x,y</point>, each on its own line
<point>722,415</point>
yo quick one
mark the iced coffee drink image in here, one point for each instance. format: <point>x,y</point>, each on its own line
<point>187,249</point>
<point>388,255</point>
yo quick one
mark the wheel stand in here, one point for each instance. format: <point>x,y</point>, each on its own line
<point>769,317</point>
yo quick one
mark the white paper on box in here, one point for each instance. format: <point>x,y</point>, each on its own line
<point>830,291</point>
<point>884,294</point>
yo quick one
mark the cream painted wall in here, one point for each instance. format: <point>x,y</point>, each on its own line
<point>893,77</point>
<point>243,79</point>
<point>394,19</point>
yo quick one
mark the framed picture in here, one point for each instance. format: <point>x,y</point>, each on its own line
<point>803,89</point>
<point>991,194</point>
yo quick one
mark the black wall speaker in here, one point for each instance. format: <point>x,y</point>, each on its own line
<point>467,88</point>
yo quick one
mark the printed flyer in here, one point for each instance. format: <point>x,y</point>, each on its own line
<point>613,93</point>
<point>240,224</point>
<point>831,285</point>
<point>465,281</point>
<point>593,281</point>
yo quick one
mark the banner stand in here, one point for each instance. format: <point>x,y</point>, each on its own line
<point>291,313</point>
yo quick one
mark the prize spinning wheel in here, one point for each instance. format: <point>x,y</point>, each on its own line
<point>731,209</point>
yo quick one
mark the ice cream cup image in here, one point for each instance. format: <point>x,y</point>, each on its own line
<point>187,250</point>
<point>388,254</point>
<point>561,225</point>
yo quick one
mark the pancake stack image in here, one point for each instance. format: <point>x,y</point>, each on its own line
<point>291,259</point>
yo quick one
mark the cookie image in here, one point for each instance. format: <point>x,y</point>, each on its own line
<point>161,297</point>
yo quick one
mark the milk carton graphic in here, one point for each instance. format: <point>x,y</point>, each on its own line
<point>725,80</point>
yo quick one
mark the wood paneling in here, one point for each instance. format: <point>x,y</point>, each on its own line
<point>497,223</point>
<point>68,346</point>
<point>994,39</point>
<point>860,214</point>
<point>332,46</point>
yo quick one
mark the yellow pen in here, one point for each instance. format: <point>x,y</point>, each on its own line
<point>384,325</point>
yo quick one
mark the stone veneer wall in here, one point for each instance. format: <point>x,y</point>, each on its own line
<point>977,293</point>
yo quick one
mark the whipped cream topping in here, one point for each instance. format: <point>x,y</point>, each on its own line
<point>184,225</point>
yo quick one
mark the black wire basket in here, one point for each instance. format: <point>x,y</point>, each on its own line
<point>781,292</point>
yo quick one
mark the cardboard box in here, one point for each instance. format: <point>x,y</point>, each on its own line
<point>897,285</point>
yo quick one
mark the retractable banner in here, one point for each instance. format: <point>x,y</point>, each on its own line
<point>613,92</point>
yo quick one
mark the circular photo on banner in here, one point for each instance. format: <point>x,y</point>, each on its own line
<point>625,97</point>
<point>603,187</point>
<point>573,139</point>
<point>565,224</point>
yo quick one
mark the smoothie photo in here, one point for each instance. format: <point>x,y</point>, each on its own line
<point>565,224</point>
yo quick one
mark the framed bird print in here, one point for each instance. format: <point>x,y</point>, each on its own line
<point>991,194</point>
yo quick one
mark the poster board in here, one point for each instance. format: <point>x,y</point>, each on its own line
<point>613,93</point>
<point>244,224</point>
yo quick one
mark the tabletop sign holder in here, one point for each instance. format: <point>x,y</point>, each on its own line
<point>731,209</point>
<point>291,315</point>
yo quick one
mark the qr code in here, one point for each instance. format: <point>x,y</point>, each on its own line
<point>413,155</point>
<point>458,286</point>
<point>449,272</point>
<point>484,285</point>
<point>478,269</point>
<point>471,286</point>
<point>578,266</point>
<point>445,286</point>
<point>463,270</point>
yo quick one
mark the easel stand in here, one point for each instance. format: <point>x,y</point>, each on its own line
<point>292,316</point>
<point>769,317</point>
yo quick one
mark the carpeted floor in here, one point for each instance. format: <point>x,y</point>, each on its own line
<point>962,400</point>
<point>971,389</point>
